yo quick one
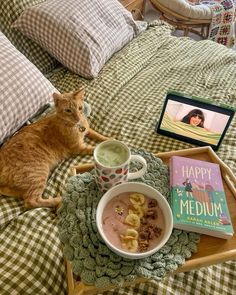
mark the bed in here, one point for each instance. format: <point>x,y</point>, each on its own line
<point>126,99</point>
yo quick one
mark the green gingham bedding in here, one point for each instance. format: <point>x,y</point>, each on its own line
<point>126,100</point>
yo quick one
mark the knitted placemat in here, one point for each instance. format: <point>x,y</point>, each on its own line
<point>91,259</point>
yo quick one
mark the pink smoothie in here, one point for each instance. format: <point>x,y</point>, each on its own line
<point>150,229</point>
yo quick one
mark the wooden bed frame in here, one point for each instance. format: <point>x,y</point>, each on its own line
<point>211,250</point>
<point>182,22</point>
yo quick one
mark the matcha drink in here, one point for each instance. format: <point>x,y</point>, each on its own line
<point>112,154</point>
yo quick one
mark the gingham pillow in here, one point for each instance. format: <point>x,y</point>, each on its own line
<point>23,89</point>
<point>9,12</point>
<point>82,34</point>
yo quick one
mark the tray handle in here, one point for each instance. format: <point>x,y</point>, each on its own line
<point>81,168</point>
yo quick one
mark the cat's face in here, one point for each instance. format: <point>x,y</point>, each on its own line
<point>70,106</point>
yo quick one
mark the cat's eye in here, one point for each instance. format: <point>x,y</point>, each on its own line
<point>68,110</point>
<point>80,108</point>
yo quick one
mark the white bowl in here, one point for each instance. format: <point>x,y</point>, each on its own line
<point>143,189</point>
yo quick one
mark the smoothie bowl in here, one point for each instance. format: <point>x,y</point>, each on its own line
<point>134,220</point>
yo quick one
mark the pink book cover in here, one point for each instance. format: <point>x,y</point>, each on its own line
<point>198,199</point>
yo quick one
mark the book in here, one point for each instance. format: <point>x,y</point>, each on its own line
<point>198,200</point>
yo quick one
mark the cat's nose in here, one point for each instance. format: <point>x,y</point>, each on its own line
<point>77,117</point>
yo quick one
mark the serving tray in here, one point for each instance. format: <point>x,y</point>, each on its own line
<point>211,250</point>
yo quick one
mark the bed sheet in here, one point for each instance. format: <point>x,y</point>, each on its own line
<point>126,99</point>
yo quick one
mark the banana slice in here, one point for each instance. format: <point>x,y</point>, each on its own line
<point>132,246</point>
<point>138,210</point>
<point>127,238</point>
<point>133,220</point>
<point>130,240</point>
<point>132,233</point>
<point>137,199</point>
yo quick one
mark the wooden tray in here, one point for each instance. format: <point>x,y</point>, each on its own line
<point>211,250</point>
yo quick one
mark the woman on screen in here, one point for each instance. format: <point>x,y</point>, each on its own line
<point>194,118</point>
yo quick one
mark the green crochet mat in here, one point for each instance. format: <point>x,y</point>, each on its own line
<point>91,259</point>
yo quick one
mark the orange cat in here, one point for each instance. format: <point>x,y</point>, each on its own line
<point>27,158</point>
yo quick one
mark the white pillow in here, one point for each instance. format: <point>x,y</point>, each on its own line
<point>81,34</point>
<point>23,89</point>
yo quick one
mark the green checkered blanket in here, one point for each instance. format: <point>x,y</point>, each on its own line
<point>126,100</point>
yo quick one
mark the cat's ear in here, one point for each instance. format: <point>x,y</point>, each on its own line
<point>79,94</point>
<point>56,98</point>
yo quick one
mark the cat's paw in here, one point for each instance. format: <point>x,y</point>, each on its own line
<point>90,149</point>
<point>87,150</point>
<point>36,202</point>
<point>111,138</point>
<point>104,138</point>
<point>58,202</point>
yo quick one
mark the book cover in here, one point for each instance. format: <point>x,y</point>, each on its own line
<point>198,199</point>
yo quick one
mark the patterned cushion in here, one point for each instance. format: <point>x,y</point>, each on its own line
<point>186,8</point>
<point>23,89</point>
<point>9,12</point>
<point>83,34</point>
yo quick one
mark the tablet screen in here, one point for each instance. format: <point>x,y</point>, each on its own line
<point>194,120</point>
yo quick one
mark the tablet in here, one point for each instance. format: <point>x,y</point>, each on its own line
<point>194,120</point>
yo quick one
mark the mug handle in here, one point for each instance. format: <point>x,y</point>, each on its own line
<point>139,173</point>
